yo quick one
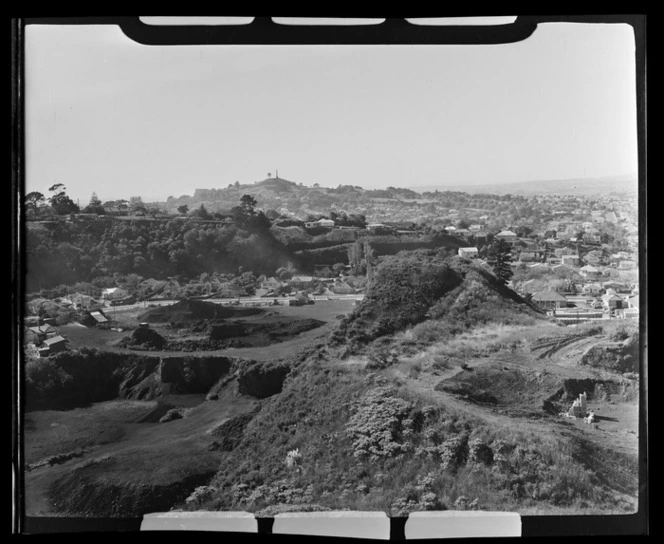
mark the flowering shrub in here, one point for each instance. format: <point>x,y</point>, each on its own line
<point>453,452</point>
<point>293,458</point>
<point>379,425</point>
<point>200,494</point>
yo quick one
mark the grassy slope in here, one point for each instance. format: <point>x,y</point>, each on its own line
<point>386,439</point>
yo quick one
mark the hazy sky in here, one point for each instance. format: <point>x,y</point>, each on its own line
<point>109,115</point>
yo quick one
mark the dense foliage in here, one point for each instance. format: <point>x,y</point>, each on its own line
<point>64,252</point>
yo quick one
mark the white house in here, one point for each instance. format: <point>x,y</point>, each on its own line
<point>468,252</point>
<point>590,271</point>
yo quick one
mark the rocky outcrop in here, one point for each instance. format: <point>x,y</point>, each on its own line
<point>79,378</point>
<point>619,357</point>
<point>262,380</point>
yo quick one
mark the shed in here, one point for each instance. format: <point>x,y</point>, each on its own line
<point>55,344</point>
<point>100,319</point>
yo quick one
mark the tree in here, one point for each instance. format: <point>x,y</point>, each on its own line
<point>34,199</point>
<point>499,257</point>
<point>244,214</point>
<point>60,202</point>
<point>183,210</point>
<point>338,268</point>
<point>137,206</point>
<point>201,213</point>
<point>95,205</point>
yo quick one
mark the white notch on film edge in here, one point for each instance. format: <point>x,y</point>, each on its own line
<point>326,21</point>
<point>196,21</point>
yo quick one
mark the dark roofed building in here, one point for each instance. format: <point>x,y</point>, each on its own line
<point>549,300</point>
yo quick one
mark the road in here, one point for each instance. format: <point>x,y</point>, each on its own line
<point>244,301</point>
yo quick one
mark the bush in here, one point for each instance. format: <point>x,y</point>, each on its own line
<point>379,424</point>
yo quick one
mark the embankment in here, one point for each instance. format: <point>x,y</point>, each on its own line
<point>78,378</point>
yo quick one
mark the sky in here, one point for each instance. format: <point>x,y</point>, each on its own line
<point>107,115</point>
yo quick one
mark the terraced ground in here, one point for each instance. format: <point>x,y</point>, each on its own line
<point>527,388</point>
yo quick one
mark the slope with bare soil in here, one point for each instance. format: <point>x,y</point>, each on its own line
<point>143,466</point>
<point>421,410</point>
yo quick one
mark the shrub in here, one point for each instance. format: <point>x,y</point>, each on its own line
<point>378,426</point>
<point>293,458</point>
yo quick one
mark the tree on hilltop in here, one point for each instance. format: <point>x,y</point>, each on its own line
<point>499,257</point>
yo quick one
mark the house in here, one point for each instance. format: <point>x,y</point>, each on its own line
<point>342,289</point>
<point>79,301</point>
<point>476,227</point>
<point>592,289</point>
<point>323,271</point>
<point>38,334</point>
<point>229,289</point>
<point>100,319</point>
<point>570,260</point>
<point>552,260</point>
<point>610,217</point>
<point>55,344</point>
<point>593,257</point>
<point>373,227</point>
<point>539,266</point>
<point>589,271</point>
<point>450,229</point>
<point>114,293</point>
<point>468,252</point>
<point>633,302</point>
<point>506,235</point>
<point>528,256</point>
<point>549,300</point>
<point>611,301</point>
<point>326,223</point>
<point>626,265</point>
<point>271,284</point>
<point>401,225</point>
<point>302,282</point>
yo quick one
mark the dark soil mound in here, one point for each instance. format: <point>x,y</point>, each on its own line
<point>147,338</point>
<point>222,331</point>
<point>620,357</point>
<point>262,380</point>
<point>85,492</point>
<point>511,388</point>
<point>194,310</point>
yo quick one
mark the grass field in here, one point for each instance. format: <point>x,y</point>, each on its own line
<point>326,311</point>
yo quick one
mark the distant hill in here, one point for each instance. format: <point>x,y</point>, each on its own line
<point>576,186</point>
